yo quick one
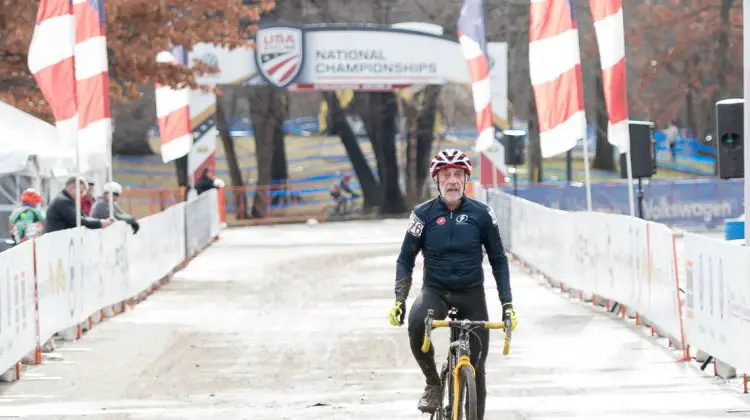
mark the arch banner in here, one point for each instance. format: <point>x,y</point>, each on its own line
<point>358,57</point>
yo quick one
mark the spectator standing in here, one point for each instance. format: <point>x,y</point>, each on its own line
<point>205,182</point>
<point>101,206</point>
<point>61,213</point>
<point>87,199</point>
<point>672,132</point>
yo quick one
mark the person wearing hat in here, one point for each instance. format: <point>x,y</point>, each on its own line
<point>101,206</point>
<point>61,213</point>
<point>27,221</point>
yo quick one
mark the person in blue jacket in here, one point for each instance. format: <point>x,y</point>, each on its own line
<point>450,231</point>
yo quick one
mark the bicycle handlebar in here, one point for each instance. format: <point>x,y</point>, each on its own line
<point>473,324</point>
<point>430,324</point>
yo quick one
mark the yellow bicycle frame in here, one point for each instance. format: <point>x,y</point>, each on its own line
<point>462,361</point>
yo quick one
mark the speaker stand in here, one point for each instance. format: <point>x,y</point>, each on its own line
<point>640,198</point>
<point>515,180</point>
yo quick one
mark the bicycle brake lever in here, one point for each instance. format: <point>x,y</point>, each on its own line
<point>507,328</point>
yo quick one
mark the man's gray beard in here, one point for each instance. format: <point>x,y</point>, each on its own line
<point>452,197</point>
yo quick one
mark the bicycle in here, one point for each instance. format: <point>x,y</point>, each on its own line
<point>353,207</point>
<point>458,370</point>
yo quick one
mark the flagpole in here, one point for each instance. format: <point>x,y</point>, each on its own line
<point>110,177</point>
<point>78,179</point>
<point>629,164</point>
<point>746,109</point>
<point>586,173</point>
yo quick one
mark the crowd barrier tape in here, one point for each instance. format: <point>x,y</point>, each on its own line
<point>634,264</point>
<point>67,280</point>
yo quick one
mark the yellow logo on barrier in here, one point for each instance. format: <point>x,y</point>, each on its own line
<point>57,277</point>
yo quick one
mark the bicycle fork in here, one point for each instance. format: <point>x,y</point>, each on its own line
<point>450,378</point>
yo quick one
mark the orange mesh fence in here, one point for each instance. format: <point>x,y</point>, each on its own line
<point>249,204</point>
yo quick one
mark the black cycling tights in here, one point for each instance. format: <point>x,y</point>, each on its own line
<point>471,305</point>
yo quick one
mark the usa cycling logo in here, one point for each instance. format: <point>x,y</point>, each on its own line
<point>279,54</point>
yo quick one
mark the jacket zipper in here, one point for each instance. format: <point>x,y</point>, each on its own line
<point>450,241</point>
<point>450,230</point>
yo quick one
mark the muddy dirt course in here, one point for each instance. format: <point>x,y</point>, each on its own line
<point>291,322</point>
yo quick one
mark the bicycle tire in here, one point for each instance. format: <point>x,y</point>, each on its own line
<point>441,413</point>
<point>467,399</point>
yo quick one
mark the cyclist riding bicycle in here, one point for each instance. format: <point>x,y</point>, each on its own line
<point>27,221</point>
<point>450,231</point>
<point>338,196</point>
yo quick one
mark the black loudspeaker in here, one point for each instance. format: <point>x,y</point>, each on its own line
<point>514,147</point>
<point>642,150</point>
<point>730,135</point>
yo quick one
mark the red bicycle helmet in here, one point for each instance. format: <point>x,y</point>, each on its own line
<point>450,158</point>
<point>32,197</point>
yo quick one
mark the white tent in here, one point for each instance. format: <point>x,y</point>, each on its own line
<point>23,136</point>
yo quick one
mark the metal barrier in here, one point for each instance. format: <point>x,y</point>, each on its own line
<point>251,204</point>
<point>142,202</point>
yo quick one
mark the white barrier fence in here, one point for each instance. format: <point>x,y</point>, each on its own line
<point>69,279</point>
<point>717,304</point>
<point>637,264</point>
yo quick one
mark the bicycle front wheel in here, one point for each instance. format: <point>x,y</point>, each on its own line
<point>466,408</point>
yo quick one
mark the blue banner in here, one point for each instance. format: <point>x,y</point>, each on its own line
<point>684,203</point>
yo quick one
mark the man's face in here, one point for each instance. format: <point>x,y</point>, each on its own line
<point>89,190</point>
<point>72,190</point>
<point>451,182</point>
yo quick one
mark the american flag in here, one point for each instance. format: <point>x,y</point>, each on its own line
<point>203,118</point>
<point>173,112</point>
<point>610,36</point>
<point>555,70</point>
<point>471,36</point>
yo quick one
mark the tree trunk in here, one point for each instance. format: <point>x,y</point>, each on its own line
<point>370,187</point>
<point>180,167</point>
<point>267,107</point>
<point>722,47</point>
<point>393,199</point>
<point>536,174</point>
<point>369,107</point>
<point>380,122</point>
<point>690,113</point>
<point>425,136</point>
<point>235,173</point>
<point>279,166</point>
<point>604,158</point>
<point>410,112</point>
<point>420,123</point>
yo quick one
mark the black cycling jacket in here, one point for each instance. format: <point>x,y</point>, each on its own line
<point>451,244</point>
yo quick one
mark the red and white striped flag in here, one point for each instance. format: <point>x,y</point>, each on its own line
<point>555,70</point>
<point>92,82</point>
<point>173,113</point>
<point>51,61</point>
<point>610,36</point>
